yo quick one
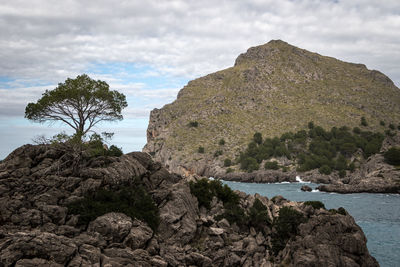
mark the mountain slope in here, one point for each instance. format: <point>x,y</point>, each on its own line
<point>272,88</point>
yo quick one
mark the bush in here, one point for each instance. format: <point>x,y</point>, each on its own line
<point>286,225</point>
<point>382,123</point>
<point>391,126</point>
<point>217,153</point>
<point>134,201</point>
<point>193,124</point>
<point>229,170</point>
<point>114,151</point>
<point>342,173</point>
<point>315,204</point>
<point>325,169</point>
<point>271,165</point>
<point>364,121</point>
<point>221,142</point>
<point>356,130</point>
<point>392,156</point>
<point>258,215</point>
<point>227,162</point>
<point>200,150</point>
<point>257,138</point>
<point>390,133</point>
<point>311,125</point>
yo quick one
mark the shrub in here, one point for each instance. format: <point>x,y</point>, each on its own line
<point>286,225</point>
<point>200,150</point>
<point>114,151</point>
<point>134,201</point>
<point>217,153</point>
<point>258,215</point>
<point>315,204</point>
<point>382,123</point>
<point>227,162</point>
<point>257,138</point>
<point>325,169</point>
<point>311,125</point>
<point>391,126</point>
<point>193,124</point>
<point>229,170</point>
<point>356,130</point>
<point>392,156</point>
<point>342,173</point>
<point>271,165</point>
<point>390,133</point>
<point>249,164</point>
<point>221,142</point>
<point>364,121</point>
<point>342,211</point>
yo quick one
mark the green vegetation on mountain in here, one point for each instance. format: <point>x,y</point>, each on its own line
<point>271,89</point>
<point>313,149</point>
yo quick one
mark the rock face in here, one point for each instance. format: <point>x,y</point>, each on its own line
<point>271,89</point>
<point>37,230</point>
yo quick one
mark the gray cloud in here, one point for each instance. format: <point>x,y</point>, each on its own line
<point>53,40</point>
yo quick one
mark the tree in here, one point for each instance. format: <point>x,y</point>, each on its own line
<point>80,103</point>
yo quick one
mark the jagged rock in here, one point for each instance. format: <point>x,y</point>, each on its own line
<point>37,230</point>
<point>138,236</point>
<point>306,188</point>
<point>114,227</point>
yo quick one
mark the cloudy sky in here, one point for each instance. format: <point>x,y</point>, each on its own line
<point>150,49</point>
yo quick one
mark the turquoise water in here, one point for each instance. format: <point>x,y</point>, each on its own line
<point>377,214</point>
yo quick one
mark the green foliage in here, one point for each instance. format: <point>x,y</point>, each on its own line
<point>221,142</point>
<point>310,125</point>
<point>257,138</point>
<point>363,122</point>
<point>392,156</point>
<point>286,225</point>
<point>392,127</point>
<point>271,165</point>
<point>315,204</point>
<point>81,103</point>
<point>390,133</point>
<point>205,190</point>
<point>342,173</point>
<point>342,211</point>
<point>217,153</point>
<point>258,215</point>
<point>229,170</point>
<point>356,130</point>
<point>96,147</point>
<point>325,169</point>
<point>314,149</point>
<point>227,162</point>
<point>382,123</point>
<point>200,150</point>
<point>131,200</point>
<point>193,124</point>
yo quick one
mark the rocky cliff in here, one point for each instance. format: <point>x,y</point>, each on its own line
<point>38,229</point>
<point>271,89</point>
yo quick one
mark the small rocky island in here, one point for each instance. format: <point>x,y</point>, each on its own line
<point>130,211</point>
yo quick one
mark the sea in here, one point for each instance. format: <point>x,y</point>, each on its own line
<point>377,214</point>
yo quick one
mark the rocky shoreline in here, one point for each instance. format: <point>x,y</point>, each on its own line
<point>37,229</point>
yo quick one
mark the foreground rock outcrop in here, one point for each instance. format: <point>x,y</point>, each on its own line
<point>37,228</point>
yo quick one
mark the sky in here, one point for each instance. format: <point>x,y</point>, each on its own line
<point>149,50</point>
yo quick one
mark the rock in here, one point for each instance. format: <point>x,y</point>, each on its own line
<point>216,231</point>
<point>114,227</point>
<point>138,236</point>
<point>306,188</point>
<point>37,229</point>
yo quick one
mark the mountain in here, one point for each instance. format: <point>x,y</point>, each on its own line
<point>271,89</point>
